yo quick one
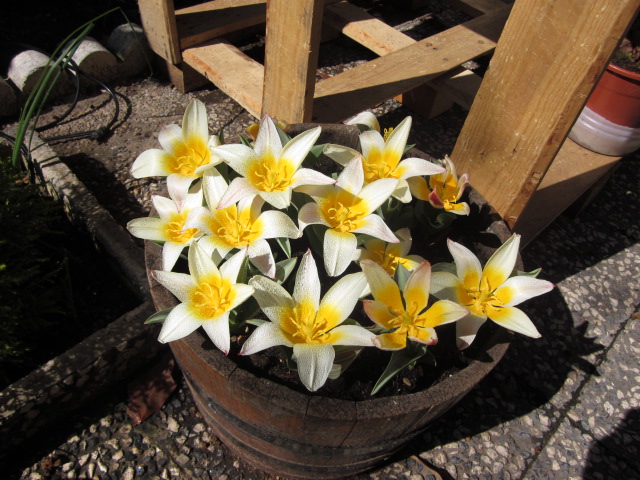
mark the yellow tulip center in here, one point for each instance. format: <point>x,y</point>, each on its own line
<point>302,324</point>
<point>271,175</point>
<point>387,260</point>
<point>343,211</point>
<point>174,230</point>
<point>446,190</point>
<point>212,297</point>
<point>236,230</point>
<point>483,299</point>
<point>188,156</point>
<point>379,165</point>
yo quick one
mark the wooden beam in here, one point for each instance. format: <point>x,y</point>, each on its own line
<point>209,20</point>
<point>291,58</point>
<point>533,93</point>
<point>231,71</point>
<point>357,89</point>
<point>159,25</point>
<point>574,171</point>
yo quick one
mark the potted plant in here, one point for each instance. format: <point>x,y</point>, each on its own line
<point>328,340</point>
<point>610,122</point>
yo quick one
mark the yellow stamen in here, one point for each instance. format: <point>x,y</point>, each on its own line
<point>271,175</point>
<point>236,230</point>
<point>302,324</point>
<point>212,297</point>
<point>379,165</point>
<point>174,229</point>
<point>188,156</point>
<point>343,211</point>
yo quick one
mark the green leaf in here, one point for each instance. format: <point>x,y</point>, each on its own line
<point>284,269</point>
<point>285,245</point>
<point>444,267</point>
<point>243,274</point>
<point>256,322</point>
<point>345,355</point>
<point>158,317</point>
<point>408,147</point>
<point>532,273</point>
<point>284,136</point>
<point>398,361</point>
<point>245,141</point>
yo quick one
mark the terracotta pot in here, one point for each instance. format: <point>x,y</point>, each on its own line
<point>610,121</point>
<point>301,435</point>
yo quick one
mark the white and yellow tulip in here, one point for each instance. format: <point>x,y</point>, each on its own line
<point>490,292</point>
<point>347,208</point>
<point>207,297</point>
<point>381,158</point>
<point>169,226</point>
<point>406,314</point>
<point>270,169</point>
<point>306,323</point>
<point>443,190</point>
<point>239,226</point>
<point>185,154</point>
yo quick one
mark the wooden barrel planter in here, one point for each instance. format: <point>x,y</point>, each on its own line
<point>298,435</point>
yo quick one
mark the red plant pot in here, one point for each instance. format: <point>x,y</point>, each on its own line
<point>610,121</point>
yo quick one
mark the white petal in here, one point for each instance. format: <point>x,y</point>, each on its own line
<point>180,284</point>
<point>376,193</point>
<point>402,191</point>
<point>261,256</point>
<point>468,268</point>
<point>525,288</point>
<point>147,228</point>
<point>466,330</point>
<point>277,225</point>
<point>170,253</point>
<point>265,336</point>
<point>239,157</point>
<point>307,176</point>
<point>170,137</point>
<point>214,186</point>
<point>371,140</point>
<point>515,319</point>
<point>194,121</point>
<point>343,295</point>
<point>178,324</point>
<point>238,189</point>
<point>178,186</point>
<point>200,263</point>
<point>352,177</point>
<point>307,286</point>
<point>339,154</point>
<point>214,247</point>
<point>310,214</point>
<point>374,226</point>
<point>445,285</point>
<point>279,200</point>
<point>398,138</point>
<point>500,266</point>
<point>414,167</point>
<point>365,118</point>
<point>314,364</point>
<point>353,335</point>
<point>243,292</point>
<point>151,163</point>
<point>339,249</point>
<point>417,287</point>
<point>164,206</point>
<point>297,148</point>
<point>218,331</point>
<point>271,297</point>
<point>268,138</point>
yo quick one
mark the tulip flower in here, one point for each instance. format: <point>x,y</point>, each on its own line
<point>242,226</point>
<point>405,314</point>
<point>207,297</point>
<point>490,292</point>
<point>347,208</point>
<point>390,255</point>
<point>381,158</point>
<point>185,154</point>
<point>443,190</point>
<point>306,323</point>
<point>270,169</point>
<point>169,227</point>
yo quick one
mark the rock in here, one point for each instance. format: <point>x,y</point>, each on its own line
<point>94,59</point>
<point>26,69</point>
<point>131,48</point>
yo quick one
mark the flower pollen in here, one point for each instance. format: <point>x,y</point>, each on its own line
<point>174,229</point>
<point>211,297</point>
<point>302,324</point>
<point>189,156</point>
<point>235,230</point>
<point>271,175</point>
<point>343,211</point>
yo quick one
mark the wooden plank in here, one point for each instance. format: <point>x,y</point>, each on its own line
<point>231,71</point>
<point>291,58</point>
<point>203,22</point>
<point>357,89</point>
<point>159,24</point>
<point>475,7</point>
<point>574,171</point>
<point>461,85</point>
<point>533,93</point>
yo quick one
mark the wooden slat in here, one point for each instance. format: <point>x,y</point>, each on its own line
<point>354,90</point>
<point>291,58</point>
<point>460,84</point>
<point>573,171</point>
<point>203,22</point>
<point>159,24</point>
<point>231,71</point>
<point>533,93</point>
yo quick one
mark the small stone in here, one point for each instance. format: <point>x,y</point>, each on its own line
<point>172,425</point>
<point>128,474</point>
